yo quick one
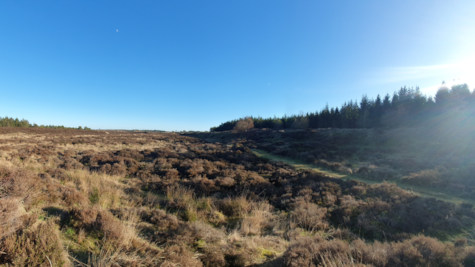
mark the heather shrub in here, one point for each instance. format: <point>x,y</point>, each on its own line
<point>35,246</point>
<point>316,252</point>
<point>83,218</point>
<point>259,218</point>
<point>469,257</point>
<point>9,216</point>
<point>234,207</point>
<point>424,177</point>
<point>422,251</point>
<point>163,220</point>
<point>178,255</point>
<point>309,216</point>
<point>109,227</point>
<point>179,197</point>
<point>59,174</point>
<point>73,197</point>
<point>118,169</point>
<point>212,255</point>
<point>19,183</point>
<point>225,182</point>
<point>204,203</point>
<point>71,164</point>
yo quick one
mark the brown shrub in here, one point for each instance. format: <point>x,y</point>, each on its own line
<point>59,174</point>
<point>259,218</point>
<point>206,232</point>
<point>234,207</point>
<point>213,256</point>
<point>118,169</point>
<point>83,218</point>
<point>225,182</point>
<point>9,216</point>
<point>102,220</point>
<point>425,177</point>
<point>106,168</point>
<point>422,251</point>
<point>178,255</point>
<point>317,252</point>
<point>309,216</point>
<point>40,246</point>
<point>19,183</point>
<point>71,164</point>
<point>73,197</point>
<point>416,251</point>
<point>163,220</point>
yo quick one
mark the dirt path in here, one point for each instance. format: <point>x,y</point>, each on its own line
<point>419,190</point>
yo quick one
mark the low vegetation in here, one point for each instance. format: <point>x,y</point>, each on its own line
<point>440,157</point>
<point>116,198</point>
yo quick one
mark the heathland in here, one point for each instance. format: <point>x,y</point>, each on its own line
<point>118,198</point>
<point>386,182</point>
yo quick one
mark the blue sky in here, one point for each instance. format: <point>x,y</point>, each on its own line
<point>190,65</point>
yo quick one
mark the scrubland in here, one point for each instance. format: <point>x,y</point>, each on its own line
<point>438,156</point>
<point>116,198</point>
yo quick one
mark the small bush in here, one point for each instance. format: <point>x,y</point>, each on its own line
<point>309,216</point>
<point>39,246</point>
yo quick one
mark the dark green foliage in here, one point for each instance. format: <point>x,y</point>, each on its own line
<point>10,122</point>
<point>407,107</point>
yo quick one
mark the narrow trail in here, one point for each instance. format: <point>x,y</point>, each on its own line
<point>419,190</point>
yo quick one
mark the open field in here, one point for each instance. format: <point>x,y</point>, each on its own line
<point>116,198</point>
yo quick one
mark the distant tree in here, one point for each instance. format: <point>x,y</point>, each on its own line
<point>278,124</point>
<point>349,114</point>
<point>430,101</point>
<point>300,122</point>
<point>336,118</point>
<point>460,92</point>
<point>364,119</point>
<point>395,101</point>
<point>376,112</point>
<point>243,125</point>
<point>419,101</point>
<point>364,104</point>
<point>386,103</point>
<point>442,96</point>
<point>407,107</point>
<point>325,118</point>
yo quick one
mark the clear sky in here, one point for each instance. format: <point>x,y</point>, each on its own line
<point>190,65</point>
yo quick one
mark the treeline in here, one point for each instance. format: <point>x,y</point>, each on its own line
<point>11,122</point>
<point>406,107</point>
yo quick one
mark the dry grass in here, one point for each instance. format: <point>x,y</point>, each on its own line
<point>161,199</point>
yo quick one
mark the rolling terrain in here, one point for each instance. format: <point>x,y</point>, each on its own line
<point>440,159</point>
<point>118,198</point>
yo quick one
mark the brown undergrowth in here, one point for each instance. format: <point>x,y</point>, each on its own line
<point>162,199</point>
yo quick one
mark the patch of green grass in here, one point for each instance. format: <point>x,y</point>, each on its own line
<point>299,165</point>
<point>94,196</point>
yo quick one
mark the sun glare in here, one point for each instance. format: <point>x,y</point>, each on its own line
<point>458,73</point>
